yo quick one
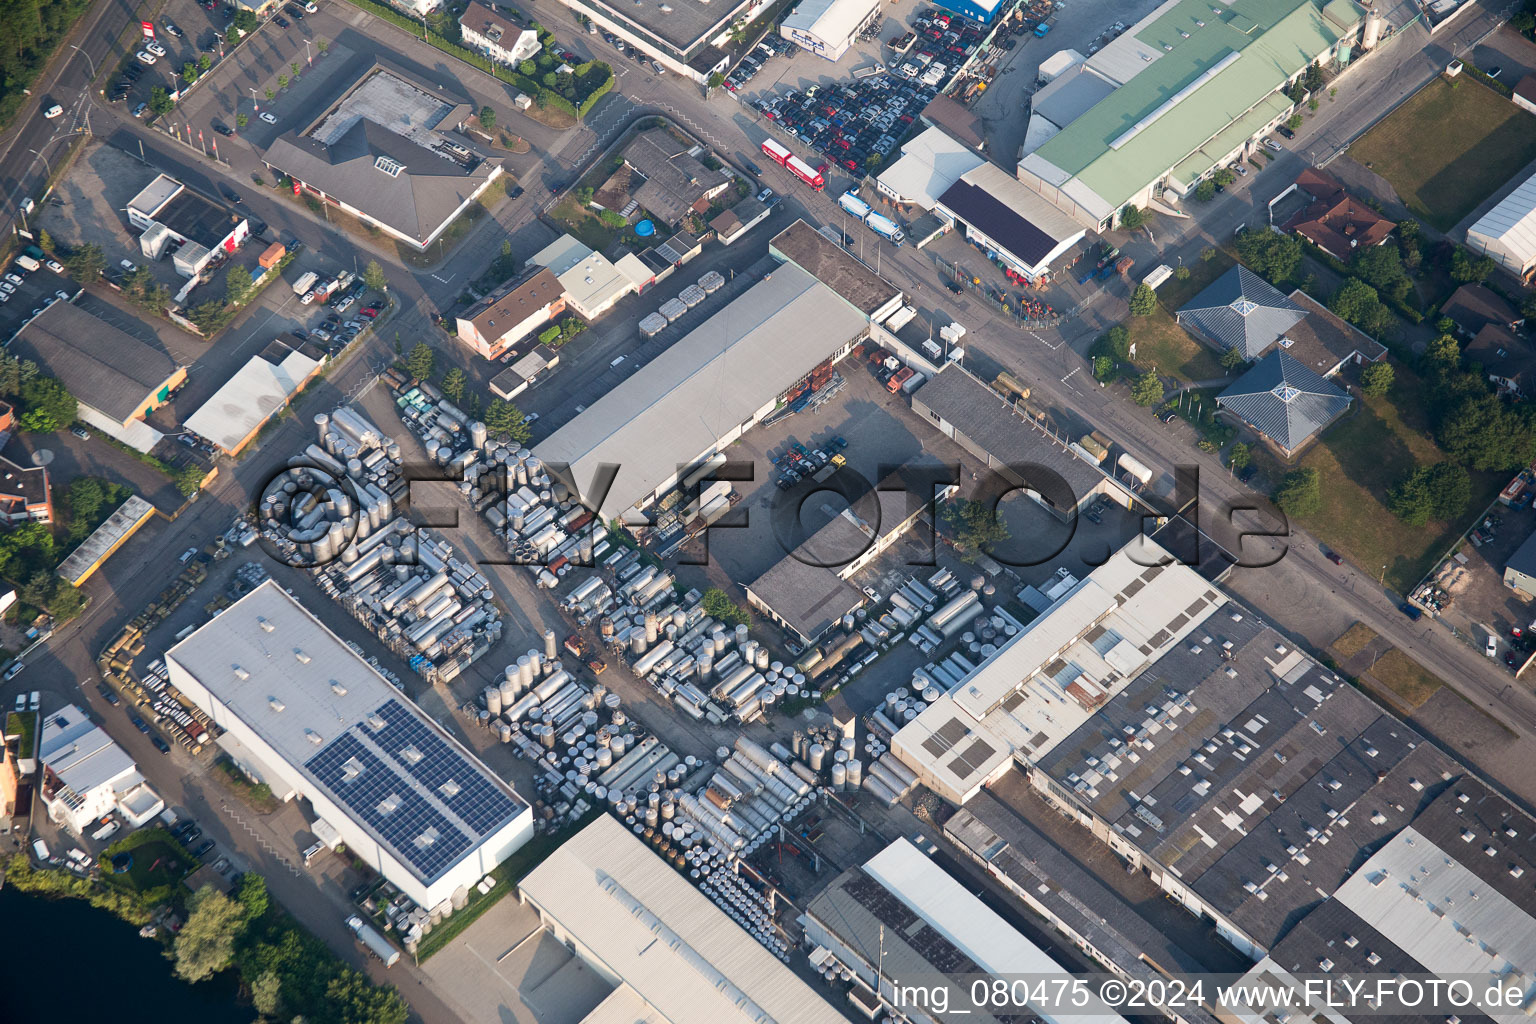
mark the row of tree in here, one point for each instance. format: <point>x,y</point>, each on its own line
<point>503,420</point>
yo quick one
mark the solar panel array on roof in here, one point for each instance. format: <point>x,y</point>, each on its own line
<point>428,825</point>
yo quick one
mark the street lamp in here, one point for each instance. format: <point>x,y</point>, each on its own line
<point>88,61</point>
<point>46,166</point>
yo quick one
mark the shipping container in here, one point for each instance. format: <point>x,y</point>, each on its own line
<point>272,256</point>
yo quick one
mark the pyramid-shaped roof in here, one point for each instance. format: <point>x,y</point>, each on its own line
<point>1241,310</point>
<point>1284,399</point>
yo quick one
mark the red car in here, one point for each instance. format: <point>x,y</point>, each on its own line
<point>370,312</point>
<point>1333,556</point>
<point>852,165</point>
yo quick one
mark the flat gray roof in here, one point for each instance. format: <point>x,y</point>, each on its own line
<point>827,261</point>
<point>680,404</point>
<point>683,24</point>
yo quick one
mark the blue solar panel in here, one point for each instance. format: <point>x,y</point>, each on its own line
<point>401,827</point>
<point>479,804</point>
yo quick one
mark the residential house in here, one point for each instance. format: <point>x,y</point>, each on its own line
<point>24,494</point>
<point>1335,221</point>
<point>487,29</point>
<point>512,312</point>
<point>1507,360</point>
<point>1474,306</point>
<point>676,183</point>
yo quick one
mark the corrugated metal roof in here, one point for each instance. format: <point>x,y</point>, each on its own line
<point>82,755</point>
<point>681,403</point>
<point>1510,227</point>
<point>99,364</point>
<point>1241,310</point>
<point>645,924</point>
<point>1284,400</point>
<point>1161,62</point>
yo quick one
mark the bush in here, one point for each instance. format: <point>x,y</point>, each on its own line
<point>1377,379</point>
<point>1300,493</point>
<point>420,362</point>
<point>1143,300</point>
<point>1205,191</point>
<point>549,335</point>
<point>718,603</point>
<point>1114,343</point>
<point>1131,218</point>
<point>1269,253</point>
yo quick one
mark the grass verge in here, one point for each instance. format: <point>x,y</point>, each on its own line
<point>1354,640</point>
<point>1410,681</point>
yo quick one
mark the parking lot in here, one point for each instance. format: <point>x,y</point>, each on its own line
<point>186,31</point>
<point>1472,596</point>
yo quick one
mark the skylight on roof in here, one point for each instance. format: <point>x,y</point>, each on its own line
<point>1286,393</point>
<point>1244,306</point>
<point>388,166</point>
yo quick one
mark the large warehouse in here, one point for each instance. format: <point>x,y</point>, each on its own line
<point>388,152</point>
<point>117,378</point>
<point>632,918</point>
<point>309,717</point>
<point>1183,92</point>
<point>828,28</point>
<point>688,39</point>
<point>703,392</point>
<point>1508,231</point>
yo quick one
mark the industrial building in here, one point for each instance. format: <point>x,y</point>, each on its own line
<point>488,30</point>
<point>807,591</point>
<point>900,919</point>
<point>1183,92</point>
<point>589,281</point>
<point>233,415</point>
<point>105,539</point>
<point>117,378</point>
<point>86,776</point>
<point>1520,569</point>
<point>1284,401</point>
<point>675,956</point>
<point>25,494</point>
<point>674,182</point>
<point>1053,676</point>
<point>860,288</point>
<point>687,39</point>
<point>1054,472</point>
<point>171,215</point>
<point>701,393</point>
<point>526,369</point>
<point>828,28</point>
<point>1007,221</point>
<point>388,151</point>
<point>730,225</point>
<point>983,11</point>
<point>511,313</point>
<point>1244,778</point>
<point>305,714</point>
<point>1446,897</point>
<point>929,166</point>
<point>1508,231</point>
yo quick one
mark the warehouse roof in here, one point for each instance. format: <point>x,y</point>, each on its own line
<point>829,20</point>
<point>1240,310</point>
<point>928,167</point>
<point>82,755</point>
<point>332,718</point>
<point>104,367</point>
<point>984,416</point>
<point>105,539</point>
<point>675,180</point>
<point>834,267</point>
<point>1187,73</point>
<point>155,195</point>
<point>1284,400</point>
<point>645,924</point>
<point>718,376</point>
<point>995,202</point>
<point>257,390</point>
<point>198,219</point>
<point>1511,223</point>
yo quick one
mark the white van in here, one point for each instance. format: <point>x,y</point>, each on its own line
<point>40,850</point>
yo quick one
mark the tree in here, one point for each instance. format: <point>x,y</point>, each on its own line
<point>1143,300</point>
<point>1114,343</point>
<point>45,240</point>
<point>1381,267</point>
<point>1132,218</point>
<point>232,37</point>
<point>1312,80</point>
<point>1439,492</point>
<point>1483,433</point>
<point>1522,21</point>
<point>373,277</point>
<point>420,362</point>
<point>1528,307</point>
<point>85,263</point>
<point>160,101</point>
<point>323,46</point>
<point>1443,353</point>
<point>293,66</point>
<point>241,120</point>
<point>716,80</point>
<point>37,590</point>
<point>206,943</point>
<point>350,998</point>
<point>873,161</point>
<point>237,285</point>
<point>85,498</point>
<point>1469,269</point>
<point>1239,456</point>
<point>252,896</point>
<point>269,93</point>
<point>204,63</point>
<point>1358,303</point>
<point>487,118</point>
<point>1205,191</point>
<point>1148,389</point>
<point>506,422</point>
<point>453,385</point>
<point>245,20</point>
<point>266,993</point>
<point>718,603</point>
<point>1225,177</point>
<point>1293,122</point>
<point>1269,253</point>
<point>1377,379</point>
<point>1181,273</point>
<point>977,525</point>
<point>282,83</point>
<point>47,405</point>
<point>1103,368</point>
<point>189,72</point>
<point>1300,493</point>
<point>1232,359</point>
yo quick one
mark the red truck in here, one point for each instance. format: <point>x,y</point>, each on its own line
<point>781,155</point>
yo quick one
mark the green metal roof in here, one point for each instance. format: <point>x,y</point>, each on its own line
<point>1230,137</point>
<point>1263,42</point>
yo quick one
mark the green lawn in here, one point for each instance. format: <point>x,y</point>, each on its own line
<point>158,861</point>
<point>581,221</point>
<point>1160,342</point>
<point>1359,459</point>
<point>1448,148</point>
<point>1173,294</point>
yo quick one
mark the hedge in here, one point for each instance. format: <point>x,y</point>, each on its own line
<point>544,97</point>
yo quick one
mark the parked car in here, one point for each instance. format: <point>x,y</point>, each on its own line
<point>223,129</point>
<point>516,193</point>
<point>54,265</point>
<point>141,110</point>
<point>1273,146</point>
<point>230,194</point>
<point>1335,558</point>
<point>145,57</point>
<point>81,433</point>
<point>139,724</point>
<point>160,744</point>
<point>266,115</point>
<point>1412,611</point>
<point>62,296</point>
<point>1494,72</point>
<point>173,28</point>
<point>128,265</point>
<point>203,848</point>
<point>107,694</point>
<point>1491,648</point>
<point>282,22</point>
<point>154,47</point>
